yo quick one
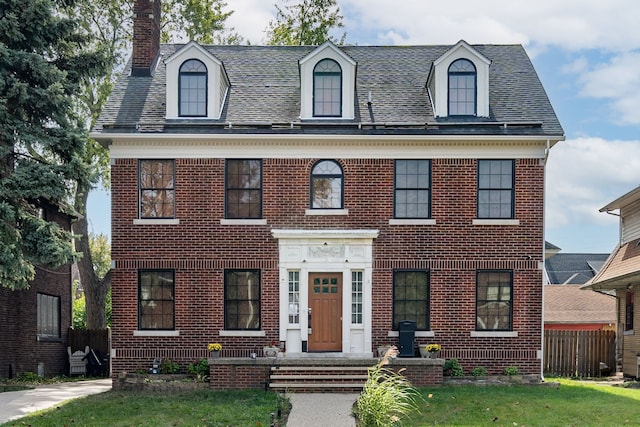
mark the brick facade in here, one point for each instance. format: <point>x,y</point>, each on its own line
<point>200,248</point>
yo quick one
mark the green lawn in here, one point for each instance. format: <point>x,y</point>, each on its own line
<point>571,404</point>
<point>197,408</point>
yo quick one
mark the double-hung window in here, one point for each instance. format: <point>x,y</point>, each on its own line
<point>192,89</point>
<point>326,185</point>
<point>327,89</point>
<point>412,188</point>
<point>157,188</point>
<point>48,307</point>
<point>242,299</point>
<point>156,302</point>
<point>411,298</point>
<point>244,189</point>
<point>462,88</point>
<point>494,296</point>
<point>496,189</point>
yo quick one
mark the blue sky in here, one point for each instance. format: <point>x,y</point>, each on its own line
<point>587,54</point>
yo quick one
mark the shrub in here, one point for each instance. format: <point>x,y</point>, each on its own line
<point>200,369</point>
<point>386,397</point>
<point>169,366</point>
<point>480,371</point>
<point>453,368</point>
<point>511,370</point>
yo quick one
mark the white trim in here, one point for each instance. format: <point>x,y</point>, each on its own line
<point>419,334</point>
<point>326,212</point>
<point>229,333</point>
<point>324,234</point>
<point>397,221</point>
<point>496,222</point>
<point>630,332</point>
<point>226,221</point>
<point>153,221</point>
<point>494,334</point>
<point>163,146</point>
<point>141,333</point>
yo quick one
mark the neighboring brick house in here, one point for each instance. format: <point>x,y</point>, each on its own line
<point>318,195</point>
<point>621,274</point>
<point>35,321</point>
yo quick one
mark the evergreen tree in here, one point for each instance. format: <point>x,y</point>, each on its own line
<point>43,67</point>
<point>306,22</point>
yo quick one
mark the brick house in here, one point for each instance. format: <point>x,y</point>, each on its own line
<point>35,321</point>
<point>316,196</point>
<point>621,275</point>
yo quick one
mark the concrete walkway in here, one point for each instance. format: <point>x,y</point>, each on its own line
<point>321,409</point>
<point>16,404</point>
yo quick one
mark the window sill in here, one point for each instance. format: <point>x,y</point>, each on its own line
<point>326,212</point>
<point>629,332</point>
<point>494,334</point>
<point>226,221</point>
<point>496,222</point>
<point>159,221</point>
<point>145,333</point>
<point>48,338</point>
<point>228,333</point>
<point>412,222</point>
<point>419,334</point>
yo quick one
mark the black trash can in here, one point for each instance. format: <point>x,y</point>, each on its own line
<point>406,336</point>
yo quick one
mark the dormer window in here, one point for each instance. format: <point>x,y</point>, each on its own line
<point>462,88</point>
<point>327,84</point>
<point>458,83</point>
<point>327,89</point>
<point>197,84</point>
<point>192,89</point>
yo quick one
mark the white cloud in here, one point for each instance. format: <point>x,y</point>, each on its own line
<point>585,174</point>
<point>616,81</point>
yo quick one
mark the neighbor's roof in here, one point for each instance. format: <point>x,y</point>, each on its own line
<point>621,269</point>
<point>574,269</point>
<point>570,304</point>
<point>265,89</point>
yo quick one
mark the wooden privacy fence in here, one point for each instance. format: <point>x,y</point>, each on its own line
<point>97,339</point>
<point>578,353</point>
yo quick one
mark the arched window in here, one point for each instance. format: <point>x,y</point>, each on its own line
<point>192,89</point>
<point>326,185</point>
<point>462,88</point>
<point>327,89</point>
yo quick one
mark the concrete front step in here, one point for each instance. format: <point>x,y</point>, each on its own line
<point>318,378</point>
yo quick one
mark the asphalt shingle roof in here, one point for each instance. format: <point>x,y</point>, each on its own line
<point>574,269</point>
<point>570,304</point>
<point>265,88</point>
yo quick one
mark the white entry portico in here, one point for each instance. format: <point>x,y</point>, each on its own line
<point>346,258</point>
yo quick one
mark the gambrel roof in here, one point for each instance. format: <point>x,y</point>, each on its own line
<point>265,94</point>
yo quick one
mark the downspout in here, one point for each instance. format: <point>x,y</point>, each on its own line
<point>544,269</point>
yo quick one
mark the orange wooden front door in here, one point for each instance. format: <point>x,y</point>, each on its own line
<point>325,312</point>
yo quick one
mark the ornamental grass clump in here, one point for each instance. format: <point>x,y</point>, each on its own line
<point>387,396</point>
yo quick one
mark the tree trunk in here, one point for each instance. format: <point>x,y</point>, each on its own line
<point>95,290</point>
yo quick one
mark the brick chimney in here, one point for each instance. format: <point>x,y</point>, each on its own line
<point>146,37</point>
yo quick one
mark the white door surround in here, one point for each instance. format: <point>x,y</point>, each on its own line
<point>339,251</point>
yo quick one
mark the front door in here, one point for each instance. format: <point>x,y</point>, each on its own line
<point>325,312</point>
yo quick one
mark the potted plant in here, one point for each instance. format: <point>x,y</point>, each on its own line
<point>271,350</point>
<point>430,351</point>
<point>214,348</point>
